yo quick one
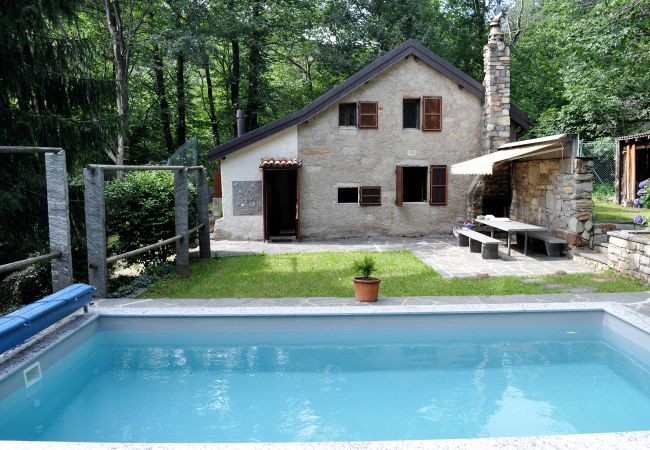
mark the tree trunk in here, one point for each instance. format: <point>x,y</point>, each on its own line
<point>159,70</point>
<point>120,62</point>
<point>234,83</point>
<point>213,113</point>
<point>180,99</point>
<point>255,65</point>
<point>235,76</point>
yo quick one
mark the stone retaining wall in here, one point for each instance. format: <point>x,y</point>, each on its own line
<point>629,253</point>
<point>549,193</point>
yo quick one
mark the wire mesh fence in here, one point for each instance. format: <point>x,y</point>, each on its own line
<point>603,153</point>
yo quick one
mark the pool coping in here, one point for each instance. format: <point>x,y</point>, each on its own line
<point>15,359</point>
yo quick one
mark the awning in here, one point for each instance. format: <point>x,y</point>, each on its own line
<point>546,148</point>
<point>280,163</point>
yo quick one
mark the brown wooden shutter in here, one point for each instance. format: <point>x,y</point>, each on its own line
<point>368,114</point>
<point>431,113</point>
<point>370,195</point>
<point>399,185</point>
<point>438,185</point>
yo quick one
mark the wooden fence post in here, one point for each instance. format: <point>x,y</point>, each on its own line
<point>202,212</point>
<point>58,219</point>
<point>95,206</point>
<point>182,227</point>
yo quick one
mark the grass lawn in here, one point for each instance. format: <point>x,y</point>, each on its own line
<point>330,275</point>
<point>606,210</point>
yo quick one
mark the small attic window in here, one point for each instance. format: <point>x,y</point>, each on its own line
<point>347,114</point>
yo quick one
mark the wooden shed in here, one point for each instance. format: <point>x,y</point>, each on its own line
<point>632,165</point>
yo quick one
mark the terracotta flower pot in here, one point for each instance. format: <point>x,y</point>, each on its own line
<point>366,289</point>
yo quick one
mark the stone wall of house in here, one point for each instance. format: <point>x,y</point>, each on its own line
<point>556,194</point>
<point>334,157</point>
<point>629,253</point>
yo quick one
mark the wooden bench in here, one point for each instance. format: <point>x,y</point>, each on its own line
<point>479,243</point>
<point>553,245</point>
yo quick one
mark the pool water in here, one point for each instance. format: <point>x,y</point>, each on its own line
<point>320,385</point>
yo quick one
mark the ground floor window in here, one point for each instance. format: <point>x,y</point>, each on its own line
<point>370,195</point>
<point>348,195</point>
<point>414,184</point>
<point>419,184</point>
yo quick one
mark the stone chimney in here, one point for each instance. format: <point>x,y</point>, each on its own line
<point>490,194</point>
<point>496,108</point>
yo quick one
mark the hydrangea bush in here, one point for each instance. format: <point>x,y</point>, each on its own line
<point>643,199</point>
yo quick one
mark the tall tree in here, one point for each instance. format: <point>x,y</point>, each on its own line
<point>122,37</point>
<point>159,72</point>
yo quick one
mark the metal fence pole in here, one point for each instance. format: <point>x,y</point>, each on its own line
<point>95,206</point>
<point>181,217</point>
<point>58,218</point>
<point>202,212</point>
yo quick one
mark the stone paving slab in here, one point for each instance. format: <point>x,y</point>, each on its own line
<point>440,252</point>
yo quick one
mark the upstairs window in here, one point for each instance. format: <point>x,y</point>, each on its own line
<point>411,113</point>
<point>348,195</point>
<point>347,114</point>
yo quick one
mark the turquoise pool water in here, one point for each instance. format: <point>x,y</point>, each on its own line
<point>340,384</point>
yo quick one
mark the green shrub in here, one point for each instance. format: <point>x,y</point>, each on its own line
<point>365,266</point>
<point>140,211</point>
<point>603,192</point>
<point>25,286</point>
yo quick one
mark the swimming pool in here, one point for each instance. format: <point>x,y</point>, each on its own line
<point>333,378</point>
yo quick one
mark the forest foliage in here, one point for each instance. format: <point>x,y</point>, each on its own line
<point>127,80</point>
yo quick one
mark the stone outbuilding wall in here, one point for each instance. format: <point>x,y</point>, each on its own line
<point>629,253</point>
<point>556,194</point>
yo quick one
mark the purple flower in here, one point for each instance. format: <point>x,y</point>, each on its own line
<point>637,202</point>
<point>638,219</point>
<point>643,184</point>
<point>641,192</point>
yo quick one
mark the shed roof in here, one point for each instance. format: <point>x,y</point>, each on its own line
<point>634,136</point>
<point>376,67</point>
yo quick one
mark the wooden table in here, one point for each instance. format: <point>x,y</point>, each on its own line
<point>511,226</point>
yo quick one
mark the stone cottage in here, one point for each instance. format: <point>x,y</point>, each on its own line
<point>372,155</point>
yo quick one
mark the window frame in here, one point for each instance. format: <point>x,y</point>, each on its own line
<point>418,106</point>
<point>338,197</point>
<point>354,107</point>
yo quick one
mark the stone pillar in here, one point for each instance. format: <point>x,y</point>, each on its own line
<point>202,211</point>
<point>496,107</point>
<point>58,218</point>
<point>181,216</point>
<point>95,206</point>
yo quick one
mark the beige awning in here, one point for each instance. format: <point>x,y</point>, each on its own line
<point>483,164</point>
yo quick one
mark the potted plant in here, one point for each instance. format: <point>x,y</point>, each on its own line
<point>366,287</point>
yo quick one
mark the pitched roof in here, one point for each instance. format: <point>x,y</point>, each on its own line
<point>409,47</point>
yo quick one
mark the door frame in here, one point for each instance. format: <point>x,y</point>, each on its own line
<point>265,200</point>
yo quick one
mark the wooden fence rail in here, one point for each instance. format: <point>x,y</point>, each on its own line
<point>28,262</point>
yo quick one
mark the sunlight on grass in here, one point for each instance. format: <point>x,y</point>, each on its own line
<point>604,210</point>
<point>330,275</point>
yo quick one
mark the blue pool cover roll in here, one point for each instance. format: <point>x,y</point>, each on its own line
<point>20,325</point>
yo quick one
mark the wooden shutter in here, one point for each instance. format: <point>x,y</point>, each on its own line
<point>438,185</point>
<point>399,185</point>
<point>431,113</point>
<point>368,115</point>
<point>370,195</point>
